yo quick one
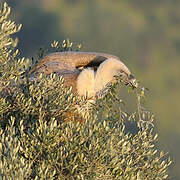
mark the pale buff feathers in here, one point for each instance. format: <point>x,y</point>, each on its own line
<point>106,72</point>
<point>85,83</point>
<point>90,83</point>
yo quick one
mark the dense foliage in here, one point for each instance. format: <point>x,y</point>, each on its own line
<point>42,138</point>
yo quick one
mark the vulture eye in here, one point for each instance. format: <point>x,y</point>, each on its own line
<point>131,77</point>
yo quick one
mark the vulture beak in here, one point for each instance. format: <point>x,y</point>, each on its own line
<point>132,81</point>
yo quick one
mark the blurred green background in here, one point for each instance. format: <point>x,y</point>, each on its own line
<point>144,34</point>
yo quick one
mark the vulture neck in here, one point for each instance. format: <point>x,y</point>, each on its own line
<point>89,82</point>
<point>106,72</point>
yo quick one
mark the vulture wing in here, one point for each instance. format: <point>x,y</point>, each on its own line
<point>70,61</point>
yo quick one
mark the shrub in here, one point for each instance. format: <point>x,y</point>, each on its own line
<point>36,141</point>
